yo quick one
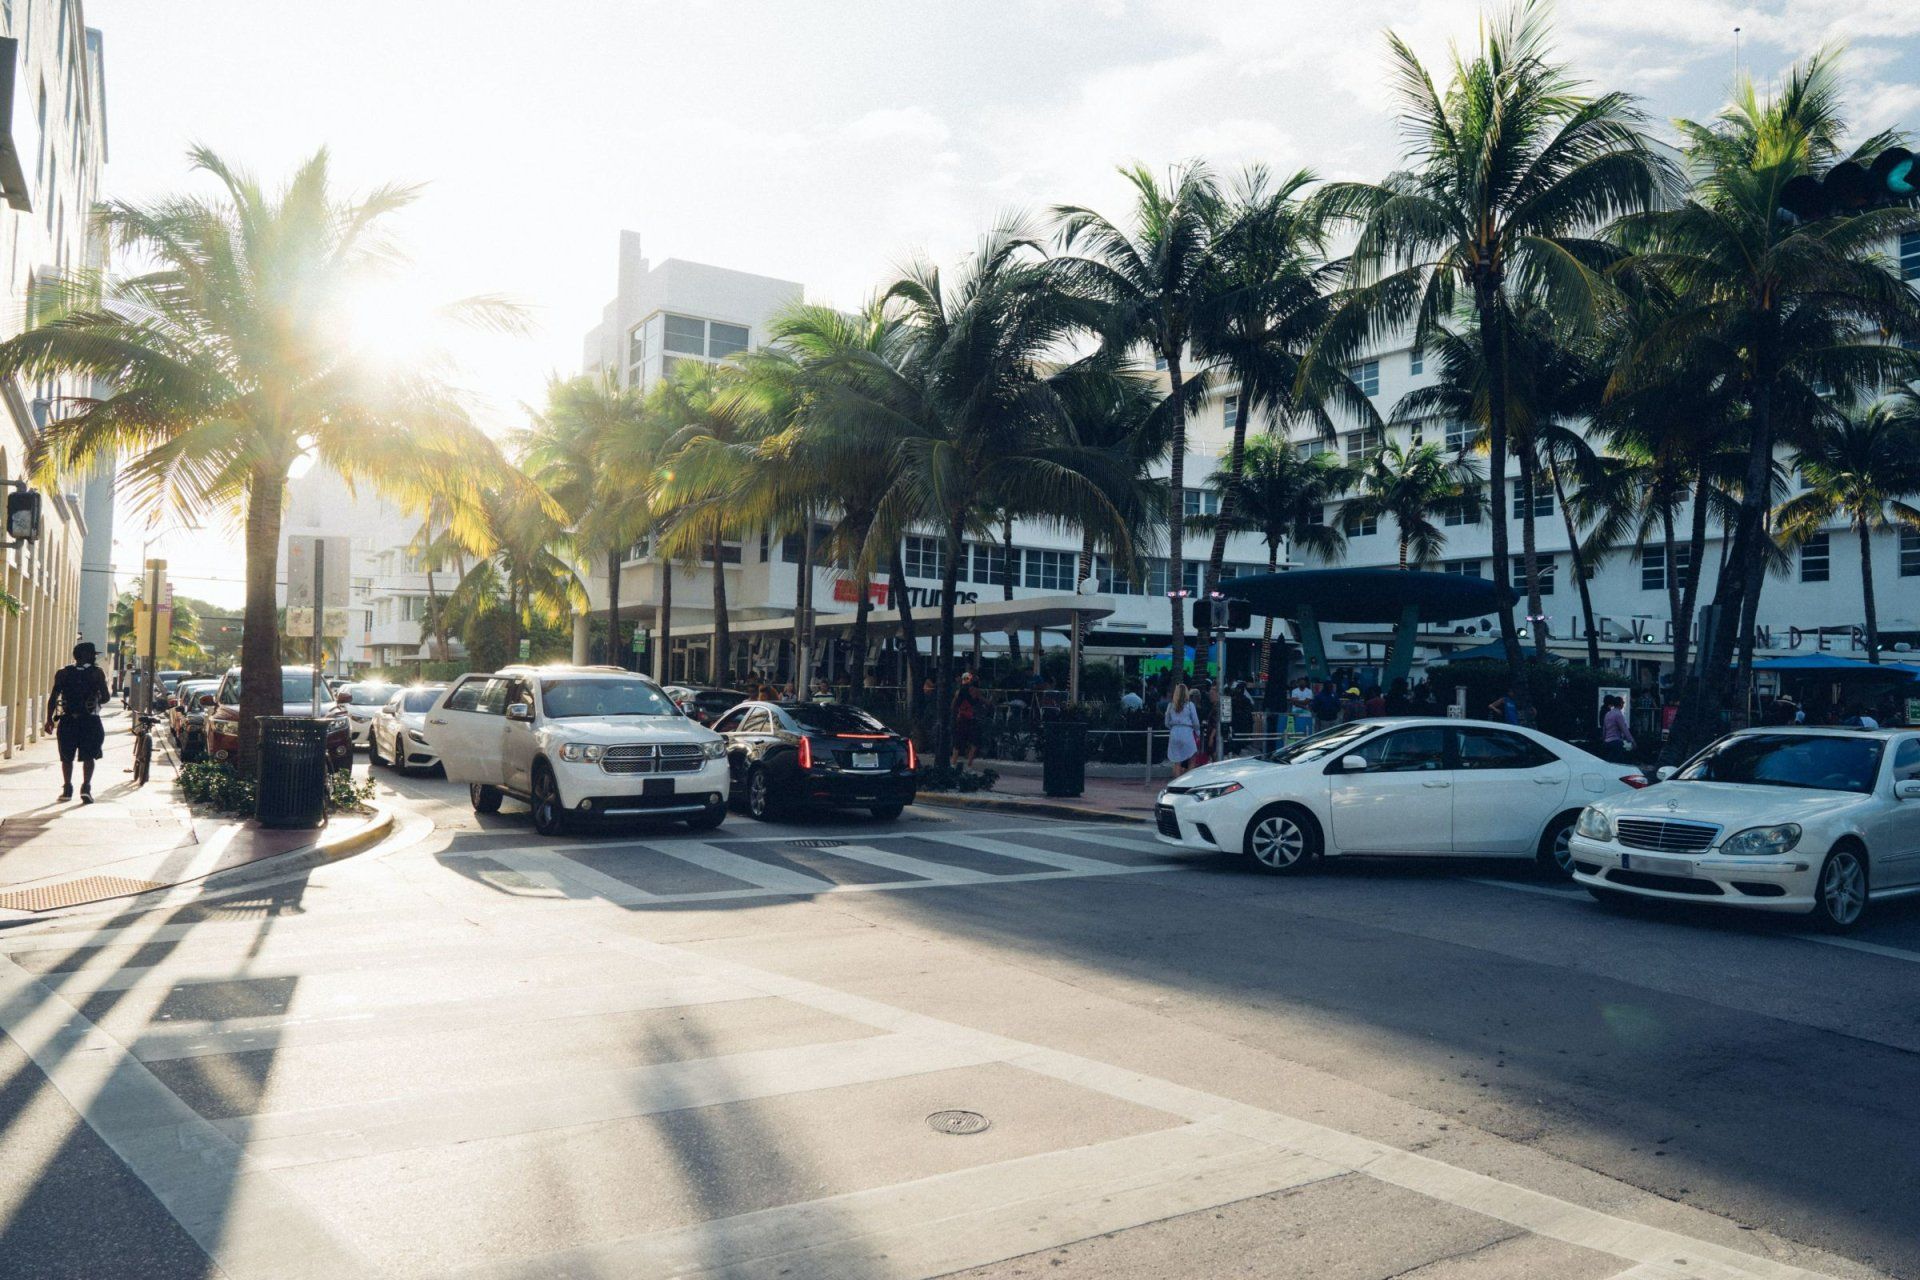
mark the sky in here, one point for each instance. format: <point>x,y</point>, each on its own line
<point>825,142</point>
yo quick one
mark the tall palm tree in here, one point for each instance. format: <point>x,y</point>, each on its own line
<point>528,576</point>
<point>232,356</point>
<point>1155,277</point>
<point>1792,306</point>
<point>1416,485</point>
<point>1283,498</point>
<point>1513,171</point>
<point>587,421</point>
<point>1860,468</point>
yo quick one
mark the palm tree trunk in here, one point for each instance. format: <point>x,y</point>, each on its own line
<point>1176,520</point>
<point>1675,610</point>
<point>1690,591</point>
<point>909,634</point>
<point>513,620</point>
<point>435,627</point>
<point>943,678</point>
<point>1236,451</point>
<point>1403,551</point>
<point>802,589</point>
<point>260,632</point>
<point>1006,590</point>
<point>862,606</point>
<point>663,657</point>
<point>1866,591</point>
<point>1530,551</point>
<point>1494,342</point>
<point>719,669</point>
<point>1266,629</point>
<point>616,651</point>
<point>1579,570</point>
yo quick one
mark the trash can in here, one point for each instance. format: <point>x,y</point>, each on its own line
<point>292,789</point>
<point>1063,770</point>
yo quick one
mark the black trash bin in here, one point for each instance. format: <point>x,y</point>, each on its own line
<point>1063,770</point>
<point>292,790</point>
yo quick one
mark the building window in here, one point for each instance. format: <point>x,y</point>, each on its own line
<point>637,345</point>
<point>1358,526</point>
<point>1190,575</point>
<point>1459,436</point>
<point>1160,362</point>
<point>1199,502</point>
<point>1048,570</point>
<point>724,340</point>
<point>1547,575</point>
<point>1416,362</point>
<point>1461,568</point>
<point>686,336</point>
<point>1813,558</point>
<point>1233,412</point>
<point>1363,443</point>
<point>989,564</point>
<point>638,551</point>
<point>925,558</point>
<point>1910,553</point>
<point>1156,577</point>
<point>1910,255</point>
<point>1110,581</point>
<point>1653,565</point>
<point>1461,511</point>
<point>1366,376</point>
<point>1542,501</point>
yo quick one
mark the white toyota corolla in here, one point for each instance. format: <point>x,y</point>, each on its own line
<point>1818,821</point>
<point>1420,787</point>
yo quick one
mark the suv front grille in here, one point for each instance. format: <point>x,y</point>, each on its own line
<point>670,757</point>
<point>1663,836</point>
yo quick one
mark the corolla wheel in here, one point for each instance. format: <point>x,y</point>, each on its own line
<point>1556,848</point>
<point>1843,888</point>
<point>1277,842</point>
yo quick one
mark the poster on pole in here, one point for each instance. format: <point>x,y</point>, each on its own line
<point>318,576</point>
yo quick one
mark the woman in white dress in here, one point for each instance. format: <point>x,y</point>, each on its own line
<point>1183,730</point>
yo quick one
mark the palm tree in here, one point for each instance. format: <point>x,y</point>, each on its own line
<point>568,452</point>
<point>1792,307</point>
<point>1513,171</point>
<point>1859,468</point>
<point>1155,279</point>
<point>528,575</point>
<point>1283,497</point>
<point>1415,485</point>
<point>230,358</point>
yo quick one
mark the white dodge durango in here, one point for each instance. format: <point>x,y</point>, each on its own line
<point>577,743</point>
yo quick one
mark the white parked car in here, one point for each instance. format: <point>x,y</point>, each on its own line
<point>577,743</point>
<point>362,700</point>
<point>1818,821</point>
<point>398,734</point>
<point>1402,786</point>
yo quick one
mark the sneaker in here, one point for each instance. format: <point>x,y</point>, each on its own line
<point>86,795</point>
<point>66,792</point>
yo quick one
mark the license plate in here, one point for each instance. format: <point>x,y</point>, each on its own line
<point>866,759</point>
<point>657,787</point>
<point>1654,865</point>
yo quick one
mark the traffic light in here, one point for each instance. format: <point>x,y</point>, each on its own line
<point>1892,178</point>
<point>1218,614</point>
<point>23,515</point>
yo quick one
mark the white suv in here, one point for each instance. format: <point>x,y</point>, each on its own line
<point>579,742</point>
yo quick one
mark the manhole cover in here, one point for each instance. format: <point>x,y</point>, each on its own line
<point>816,844</point>
<point>958,1123</point>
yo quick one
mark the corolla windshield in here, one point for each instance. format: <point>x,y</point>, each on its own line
<point>370,695</point>
<point>420,699</point>
<point>1822,762</point>
<point>571,699</point>
<point>1321,745</point>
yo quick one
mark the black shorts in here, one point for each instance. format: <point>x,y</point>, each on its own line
<point>80,736</point>
<point>966,734</point>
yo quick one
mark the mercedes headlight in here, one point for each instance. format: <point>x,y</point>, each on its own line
<point>1594,825</point>
<point>715,749</point>
<point>1215,791</point>
<point>588,751</point>
<point>1763,840</point>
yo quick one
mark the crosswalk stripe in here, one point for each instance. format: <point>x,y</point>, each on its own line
<point>1006,848</point>
<point>1136,843</point>
<point>275,1140</point>
<point>574,879</point>
<point>1683,1269</point>
<point>734,866</point>
<point>950,1221</point>
<point>905,865</point>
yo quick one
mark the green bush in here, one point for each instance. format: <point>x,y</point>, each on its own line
<point>217,786</point>
<point>933,777</point>
<point>346,793</point>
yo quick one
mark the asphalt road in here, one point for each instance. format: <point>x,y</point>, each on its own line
<point>473,1052</point>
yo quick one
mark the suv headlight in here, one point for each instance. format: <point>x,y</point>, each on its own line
<point>1762,840</point>
<point>1215,791</point>
<point>582,751</point>
<point>1594,825</point>
<point>713,750</point>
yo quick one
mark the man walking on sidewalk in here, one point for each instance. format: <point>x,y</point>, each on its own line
<point>78,692</point>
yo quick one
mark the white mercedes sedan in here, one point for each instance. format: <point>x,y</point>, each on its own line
<point>1421,787</point>
<point>1815,821</point>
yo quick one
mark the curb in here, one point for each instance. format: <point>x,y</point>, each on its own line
<point>346,846</point>
<point>1036,808</point>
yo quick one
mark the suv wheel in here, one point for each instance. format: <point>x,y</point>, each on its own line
<point>485,799</point>
<point>549,818</point>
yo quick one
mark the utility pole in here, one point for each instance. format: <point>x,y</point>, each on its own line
<point>153,588</point>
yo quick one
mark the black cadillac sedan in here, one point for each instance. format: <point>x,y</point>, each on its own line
<point>789,755</point>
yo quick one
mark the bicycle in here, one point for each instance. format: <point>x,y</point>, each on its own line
<point>143,748</point>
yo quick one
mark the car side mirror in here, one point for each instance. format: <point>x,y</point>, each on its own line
<point>1664,772</point>
<point>1908,790</point>
<point>1353,764</point>
<point>520,711</point>
<point>207,700</point>
<point>342,698</point>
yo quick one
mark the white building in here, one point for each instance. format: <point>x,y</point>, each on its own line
<point>57,144</point>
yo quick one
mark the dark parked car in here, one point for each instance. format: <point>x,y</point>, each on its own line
<point>296,698</point>
<point>791,754</point>
<point>187,716</point>
<point>704,705</point>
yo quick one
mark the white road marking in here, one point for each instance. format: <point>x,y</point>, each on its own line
<point>1045,857</point>
<point>1577,895</point>
<point>1856,944</point>
<point>571,878</point>
<point>934,872</point>
<point>735,867</point>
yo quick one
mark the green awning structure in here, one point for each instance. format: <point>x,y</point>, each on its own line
<point>1404,598</point>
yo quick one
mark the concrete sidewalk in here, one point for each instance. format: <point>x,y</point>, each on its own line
<point>1104,800</point>
<point>132,840</point>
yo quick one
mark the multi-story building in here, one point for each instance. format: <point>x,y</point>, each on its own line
<point>51,174</point>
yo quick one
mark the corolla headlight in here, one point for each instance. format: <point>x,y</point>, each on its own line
<point>588,751</point>
<point>713,750</point>
<point>1763,840</point>
<point>1594,825</point>
<point>1215,791</point>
